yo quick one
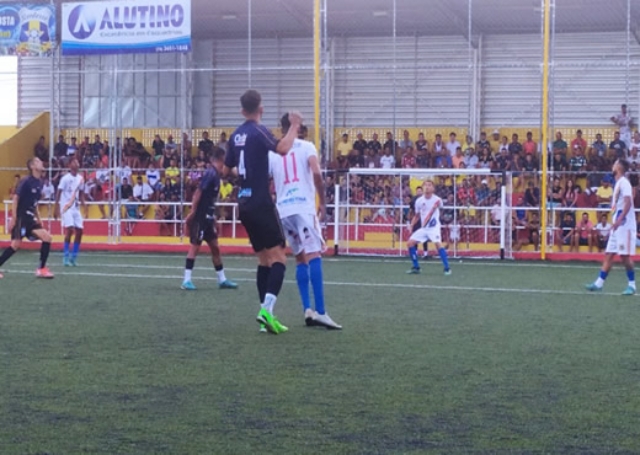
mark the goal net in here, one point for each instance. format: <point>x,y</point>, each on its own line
<point>373,211</point>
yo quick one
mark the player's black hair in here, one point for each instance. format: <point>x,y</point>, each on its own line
<point>624,164</point>
<point>218,154</point>
<point>251,101</point>
<point>285,123</point>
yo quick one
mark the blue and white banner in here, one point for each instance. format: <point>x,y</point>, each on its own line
<point>123,27</point>
<point>27,30</point>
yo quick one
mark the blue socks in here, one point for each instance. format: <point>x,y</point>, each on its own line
<point>317,281</point>
<point>413,252</point>
<point>603,275</point>
<point>445,259</point>
<point>76,249</point>
<point>631,275</point>
<point>302,277</point>
<point>66,249</point>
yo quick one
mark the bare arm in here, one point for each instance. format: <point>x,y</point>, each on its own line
<point>56,205</point>
<point>285,144</point>
<point>228,170</point>
<point>319,184</point>
<point>14,212</point>
<point>194,205</point>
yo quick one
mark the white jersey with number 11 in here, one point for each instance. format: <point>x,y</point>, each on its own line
<point>293,180</point>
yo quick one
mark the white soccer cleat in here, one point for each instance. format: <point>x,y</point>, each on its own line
<point>309,316</point>
<point>326,321</point>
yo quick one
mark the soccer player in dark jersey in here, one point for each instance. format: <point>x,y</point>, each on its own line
<point>25,221</point>
<point>201,223</point>
<point>248,156</point>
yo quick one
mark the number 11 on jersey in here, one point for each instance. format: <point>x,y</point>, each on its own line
<point>286,169</point>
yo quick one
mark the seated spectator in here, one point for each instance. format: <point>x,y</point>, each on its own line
<point>97,145</point>
<point>457,158</point>
<point>582,200</point>
<point>559,163</point>
<point>41,151</point>
<point>583,234</point>
<point>483,143</point>
<point>466,194</point>
<point>530,147</point>
<point>153,176</point>
<point>158,147</point>
<point>502,161</point>
<point>604,194</point>
<point>483,193</point>
<point>125,190</point>
<point>567,229</point>
<point>602,231</point>
<point>532,195</point>
<point>634,155</point>
<point>143,194</point>
<point>360,144</point>
<point>171,145</point>
<point>471,160</point>
<point>530,163</point>
<point>193,179</point>
<point>423,158</point>
<point>569,196</point>
<point>617,147</point>
<point>387,161</point>
<point>504,145</point>
<point>485,160</point>
<point>496,211</point>
<point>495,141</point>
<point>355,159</point>
<point>370,160</point>
<point>206,144</point>
<point>578,162</point>
<point>406,141</point>
<point>170,190</point>
<point>556,196</point>
<point>534,231</point>
<point>72,149</point>
<point>560,146</point>
<point>168,157</point>
<point>515,147</point>
<point>452,146</point>
<point>578,143</point>
<point>14,187</point>
<point>172,172</point>
<point>164,214</point>
<point>409,159</point>
<point>598,148</point>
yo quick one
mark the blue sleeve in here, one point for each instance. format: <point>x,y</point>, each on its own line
<point>22,187</point>
<point>206,181</point>
<point>266,138</point>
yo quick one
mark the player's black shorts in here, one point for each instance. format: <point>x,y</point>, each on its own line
<point>263,227</point>
<point>25,225</point>
<point>202,231</point>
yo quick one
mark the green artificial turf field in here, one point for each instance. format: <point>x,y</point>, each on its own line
<point>113,358</point>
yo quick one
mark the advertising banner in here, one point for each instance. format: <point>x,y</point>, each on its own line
<point>27,30</point>
<point>121,27</point>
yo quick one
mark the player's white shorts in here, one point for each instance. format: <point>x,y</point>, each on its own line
<point>622,242</point>
<point>303,234</point>
<point>432,234</point>
<point>72,218</point>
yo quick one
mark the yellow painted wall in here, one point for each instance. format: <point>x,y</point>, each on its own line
<point>17,149</point>
<point>7,131</point>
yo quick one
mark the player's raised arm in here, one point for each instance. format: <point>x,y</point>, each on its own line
<point>286,143</point>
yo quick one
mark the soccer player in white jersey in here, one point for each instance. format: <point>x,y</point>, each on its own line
<point>70,196</point>
<point>297,179</point>
<point>427,213</point>
<point>622,239</point>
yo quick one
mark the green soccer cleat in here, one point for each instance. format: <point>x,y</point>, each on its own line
<point>593,288</point>
<point>413,271</point>
<point>268,320</point>
<point>188,286</point>
<point>66,262</point>
<point>279,326</point>
<point>227,284</point>
<point>629,291</point>
<point>263,329</point>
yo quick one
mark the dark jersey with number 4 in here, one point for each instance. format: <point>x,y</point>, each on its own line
<point>210,188</point>
<point>29,192</point>
<point>249,148</point>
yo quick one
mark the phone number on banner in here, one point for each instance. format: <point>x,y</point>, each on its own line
<point>173,48</point>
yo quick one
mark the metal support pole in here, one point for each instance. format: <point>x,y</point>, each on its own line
<point>336,219</point>
<point>249,56</point>
<point>316,73</point>
<point>545,124</point>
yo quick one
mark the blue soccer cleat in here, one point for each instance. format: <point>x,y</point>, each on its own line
<point>447,272</point>
<point>629,291</point>
<point>227,284</point>
<point>413,271</point>
<point>66,262</point>
<point>593,288</point>
<point>188,286</point>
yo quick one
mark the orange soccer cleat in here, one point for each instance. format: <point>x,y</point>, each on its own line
<point>44,273</point>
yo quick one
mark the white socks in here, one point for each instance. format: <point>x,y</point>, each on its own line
<point>221,277</point>
<point>187,275</point>
<point>269,302</point>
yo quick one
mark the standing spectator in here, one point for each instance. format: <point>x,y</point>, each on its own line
<point>515,148</point>
<point>578,142</point>
<point>343,148</point>
<point>406,141</point>
<point>391,144</point>
<point>604,194</point>
<point>483,142</point>
<point>387,161</point>
<point>223,143</point>
<point>97,145</point>
<point>624,121</point>
<point>72,149</point>
<point>618,148</point>
<point>375,145</point>
<point>158,147</point>
<point>530,147</point>
<point>171,145</point>
<point>409,159</point>
<point>440,153</point>
<point>360,144</point>
<point>532,195</point>
<point>495,141</point>
<point>60,149</point>
<point>583,234</point>
<point>560,145</point>
<point>635,144</point>
<point>601,232</point>
<point>598,148</point>
<point>422,144</point>
<point>186,145</point>
<point>453,145</point>
<point>206,144</point>
<point>40,151</point>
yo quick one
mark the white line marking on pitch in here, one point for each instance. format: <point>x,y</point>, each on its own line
<point>141,266</point>
<point>340,283</point>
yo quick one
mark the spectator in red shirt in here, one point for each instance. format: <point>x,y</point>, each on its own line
<point>529,146</point>
<point>409,159</point>
<point>466,194</point>
<point>578,142</point>
<point>583,234</point>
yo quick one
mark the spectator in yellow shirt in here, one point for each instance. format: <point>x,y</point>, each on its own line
<point>172,172</point>
<point>344,148</point>
<point>604,194</point>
